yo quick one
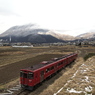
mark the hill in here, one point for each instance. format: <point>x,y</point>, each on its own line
<point>34,34</point>
<point>29,33</point>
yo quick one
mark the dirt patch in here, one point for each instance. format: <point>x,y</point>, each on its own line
<point>17,59</point>
<point>12,55</point>
<point>10,72</point>
<point>14,59</point>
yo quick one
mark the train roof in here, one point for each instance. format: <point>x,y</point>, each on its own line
<point>45,63</point>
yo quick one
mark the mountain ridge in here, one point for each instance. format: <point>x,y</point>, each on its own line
<point>32,32</point>
<point>29,33</point>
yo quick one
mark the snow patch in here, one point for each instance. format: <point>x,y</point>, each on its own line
<point>86,91</point>
<point>73,90</point>
<point>75,74</point>
<point>83,78</point>
<point>11,90</point>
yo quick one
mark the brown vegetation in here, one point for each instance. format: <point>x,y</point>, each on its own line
<point>14,59</point>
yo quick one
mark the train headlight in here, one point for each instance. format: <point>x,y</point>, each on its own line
<point>30,80</point>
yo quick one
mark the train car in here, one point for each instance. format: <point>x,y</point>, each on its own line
<point>35,74</point>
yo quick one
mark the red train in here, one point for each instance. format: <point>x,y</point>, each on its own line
<point>35,74</point>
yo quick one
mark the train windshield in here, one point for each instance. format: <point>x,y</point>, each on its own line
<point>30,75</point>
<point>26,75</point>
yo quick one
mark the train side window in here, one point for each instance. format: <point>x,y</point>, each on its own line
<point>42,73</point>
<point>52,67</point>
<point>55,66</point>
<point>59,64</point>
<point>47,70</point>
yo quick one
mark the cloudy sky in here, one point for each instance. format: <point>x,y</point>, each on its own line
<point>68,16</point>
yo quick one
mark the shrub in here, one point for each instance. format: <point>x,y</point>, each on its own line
<point>88,56</point>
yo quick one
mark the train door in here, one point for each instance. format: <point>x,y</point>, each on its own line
<point>56,67</point>
<point>41,76</point>
<point>36,78</point>
<point>24,79</point>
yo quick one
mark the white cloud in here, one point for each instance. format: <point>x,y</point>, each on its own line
<point>77,16</point>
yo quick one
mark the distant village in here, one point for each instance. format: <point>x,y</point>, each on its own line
<point>8,42</point>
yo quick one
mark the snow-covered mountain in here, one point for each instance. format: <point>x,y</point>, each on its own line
<point>61,36</point>
<point>33,33</point>
<point>29,33</point>
<point>23,30</point>
<point>87,35</point>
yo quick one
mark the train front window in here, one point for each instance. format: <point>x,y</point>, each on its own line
<point>30,75</point>
<point>22,74</point>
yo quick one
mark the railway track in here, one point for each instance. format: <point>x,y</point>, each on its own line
<point>22,92</point>
<point>44,84</point>
<point>18,91</point>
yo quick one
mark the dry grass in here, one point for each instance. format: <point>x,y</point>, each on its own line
<point>8,85</point>
<point>78,82</point>
<point>11,55</point>
<point>62,80</point>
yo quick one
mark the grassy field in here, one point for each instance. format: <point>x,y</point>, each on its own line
<point>14,59</point>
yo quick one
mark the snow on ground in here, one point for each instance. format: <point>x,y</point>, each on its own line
<point>82,81</point>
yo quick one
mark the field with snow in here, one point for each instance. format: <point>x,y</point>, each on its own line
<point>76,79</point>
